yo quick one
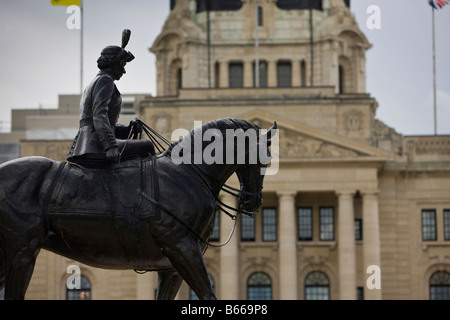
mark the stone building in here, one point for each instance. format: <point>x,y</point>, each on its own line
<point>355,211</point>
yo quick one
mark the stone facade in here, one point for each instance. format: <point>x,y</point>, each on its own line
<point>352,197</point>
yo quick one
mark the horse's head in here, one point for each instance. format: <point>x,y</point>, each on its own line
<point>251,174</point>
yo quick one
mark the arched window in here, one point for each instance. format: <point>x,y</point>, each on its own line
<point>259,286</point>
<point>341,79</point>
<point>193,296</point>
<point>260,16</point>
<point>175,77</point>
<point>179,78</point>
<point>440,286</point>
<point>84,293</point>
<point>317,286</point>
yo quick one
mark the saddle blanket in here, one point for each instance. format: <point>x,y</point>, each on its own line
<point>114,191</point>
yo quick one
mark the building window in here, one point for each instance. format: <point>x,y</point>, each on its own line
<point>8,151</point>
<point>284,74</point>
<point>217,74</point>
<point>358,229</point>
<point>218,5</point>
<point>259,286</point>
<point>84,293</point>
<point>341,79</point>
<point>236,74</point>
<point>269,220</point>
<point>446,224</point>
<point>172,4</point>
<point>247,228</point>
<point>317,286</point>
<point>440,286</point>
<point>127,108</point>
<point>305,226</point>
<point>428,225</point>
<point>215,236</point>
<point>260,16</point>
<point>175,77</point>
<point>326,217</point>
<point>262,74</point>
<point>180,78</point>
<point>360,293</point>
<point>303,73</point>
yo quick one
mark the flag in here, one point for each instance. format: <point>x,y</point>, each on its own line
<point>65,2</point>
<point>438,4</point>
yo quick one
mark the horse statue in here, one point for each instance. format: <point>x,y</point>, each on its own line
<point>146,213</point>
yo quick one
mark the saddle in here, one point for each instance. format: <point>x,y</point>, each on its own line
<point>111,192</point>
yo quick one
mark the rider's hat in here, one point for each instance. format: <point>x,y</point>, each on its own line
<point>115,53</point>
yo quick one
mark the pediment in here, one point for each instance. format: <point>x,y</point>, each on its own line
<point>299,141</point>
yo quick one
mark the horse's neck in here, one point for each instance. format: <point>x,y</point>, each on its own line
<point>216,174</point>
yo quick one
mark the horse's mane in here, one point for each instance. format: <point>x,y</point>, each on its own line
<point>222,125</point>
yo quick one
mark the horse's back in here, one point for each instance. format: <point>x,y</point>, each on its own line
<point>25,175</point>
<point>23,181</point>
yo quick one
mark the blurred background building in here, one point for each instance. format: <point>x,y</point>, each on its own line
<point>353,202</point>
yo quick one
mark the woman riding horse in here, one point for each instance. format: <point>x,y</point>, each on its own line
<point>101,103</point>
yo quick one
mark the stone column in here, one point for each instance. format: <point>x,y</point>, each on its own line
<point>371,239</point>
<point>229,255</point>
<point>272,74</point>
<point>223,76</point>
<point>248,74</point>
<point>296,81</point>
<point>346,245</point>
<point>288,246</point>
<point>145,286</point>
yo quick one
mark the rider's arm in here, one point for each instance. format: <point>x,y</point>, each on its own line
<point>102,94</point>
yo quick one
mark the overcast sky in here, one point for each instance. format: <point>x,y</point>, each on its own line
<point>40,55</point>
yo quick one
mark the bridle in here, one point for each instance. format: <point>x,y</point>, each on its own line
<point>238,193</point>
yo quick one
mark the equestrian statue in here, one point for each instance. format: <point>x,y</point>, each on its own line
<point>116,204</point>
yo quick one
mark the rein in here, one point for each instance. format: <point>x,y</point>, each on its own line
<point>149,131</point>
<point>228,189</point>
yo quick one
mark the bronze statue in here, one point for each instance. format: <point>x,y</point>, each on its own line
<point>146,213</point>
<point>97,139</point>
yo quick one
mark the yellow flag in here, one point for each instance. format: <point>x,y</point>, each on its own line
<point>66,2</point>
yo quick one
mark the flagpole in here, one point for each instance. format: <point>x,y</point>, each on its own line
<point>311,44</point>
<point>434,72</point>
<point>256,45</point>
<point>81,46</point>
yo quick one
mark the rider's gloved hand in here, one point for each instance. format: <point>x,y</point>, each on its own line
<point>113,154</point>
<point>136,126</point>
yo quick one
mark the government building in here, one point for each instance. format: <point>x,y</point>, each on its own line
<point>354,209</point>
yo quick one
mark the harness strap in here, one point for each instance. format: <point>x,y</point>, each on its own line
<point>150,132</point>
<point>163,208</point>
<point>53,186</point>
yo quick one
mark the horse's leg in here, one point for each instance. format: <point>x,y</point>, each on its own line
<point>187,258</point>
<point>2,270</point>
<point>168,284</point>
<point>19,266</point>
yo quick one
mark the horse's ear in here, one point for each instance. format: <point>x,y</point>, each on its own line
<point>272,131</point>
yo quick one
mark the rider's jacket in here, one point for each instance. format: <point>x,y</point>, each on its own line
<point>100,108</point>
